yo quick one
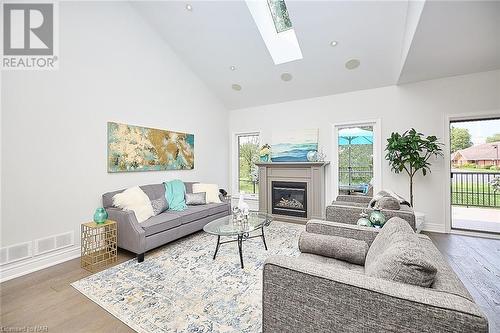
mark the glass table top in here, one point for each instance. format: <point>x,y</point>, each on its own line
<point>225,226</point>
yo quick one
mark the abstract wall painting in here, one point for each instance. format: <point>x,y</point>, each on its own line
<point>135,148</point>
<point>293,145</point>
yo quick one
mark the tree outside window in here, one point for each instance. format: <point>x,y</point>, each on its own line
<point>460,139</point>
<point>248,155</point>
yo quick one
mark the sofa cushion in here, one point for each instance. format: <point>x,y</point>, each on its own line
<point>392,227</point>
<point>195,199</point>
<point>153,191</point>
<point>387,193</point>
<point>189,186</point>
<point>398,254</point>
<point>159,205</point>
<point>194,213</point>
<point>216,208</point>
<point>136,200</point>
<point>346,249</point>
<point>388,203</point>
<point>331,263</point>
<point>211,191</point>
<point>162,222</point>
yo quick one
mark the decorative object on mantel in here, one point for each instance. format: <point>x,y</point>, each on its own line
<point>135,148</point>
<point>320,156</point>
<point>411,152</point>
<point>265,152</point>
<point>100,215</point>
<point>363,220</point>
<point>293,145</point>
<point>312,156</point>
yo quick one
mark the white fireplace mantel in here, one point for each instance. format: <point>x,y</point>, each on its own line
<point>312,173</point>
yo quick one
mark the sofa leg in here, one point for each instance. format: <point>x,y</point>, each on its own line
<point>140,257</point>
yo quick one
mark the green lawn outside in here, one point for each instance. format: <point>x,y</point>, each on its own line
<point>475,195</point>
<point>247,186</point>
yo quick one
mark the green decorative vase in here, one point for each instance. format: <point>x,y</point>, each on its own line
<point>364,221</point>
<point>377,218</point>
<point>100,215</point>
<point>264,158</point>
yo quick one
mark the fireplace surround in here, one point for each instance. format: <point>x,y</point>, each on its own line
<point>292,191</point>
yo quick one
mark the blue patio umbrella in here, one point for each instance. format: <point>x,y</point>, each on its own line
<point>354,136</point>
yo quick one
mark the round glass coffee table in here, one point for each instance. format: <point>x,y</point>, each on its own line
<point>228,226</point>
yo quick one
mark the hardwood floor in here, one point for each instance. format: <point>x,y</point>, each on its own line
<point>45,298</point>
<point>477,263</point>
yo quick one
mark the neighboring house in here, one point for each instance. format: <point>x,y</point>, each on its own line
<point>480,155</point>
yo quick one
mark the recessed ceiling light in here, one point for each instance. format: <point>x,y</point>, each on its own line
<point>236,87</point>
<point>233,68</point>
<point>189,7</point>
<point>333,43</point>
<point>286,77</point>
<point>352,64</point>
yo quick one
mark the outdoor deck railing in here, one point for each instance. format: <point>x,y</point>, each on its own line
<point>359,175</point>
<point>248,185</point>
<point>474,189</point>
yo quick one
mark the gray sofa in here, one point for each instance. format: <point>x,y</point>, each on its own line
<point>162,228</point>
<point>346,208</point>
<point>313,293</point>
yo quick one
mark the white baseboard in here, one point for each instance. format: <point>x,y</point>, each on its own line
<point>434,227</point>
<point>23,267</point>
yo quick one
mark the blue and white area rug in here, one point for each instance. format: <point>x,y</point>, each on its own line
<point>180,288</point>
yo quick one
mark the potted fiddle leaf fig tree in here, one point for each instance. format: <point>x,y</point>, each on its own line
<point>410,152</point>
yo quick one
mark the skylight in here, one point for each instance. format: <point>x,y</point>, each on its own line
<point>275,27</point>
<point>280,15</point>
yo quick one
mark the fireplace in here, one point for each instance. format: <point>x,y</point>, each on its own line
<point>289,198</point>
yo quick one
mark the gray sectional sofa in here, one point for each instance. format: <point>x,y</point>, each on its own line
<point>163,228</point>
<point>314,293</point>
<point>347,209</point>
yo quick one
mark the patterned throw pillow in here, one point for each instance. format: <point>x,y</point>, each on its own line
<point>159,205</point>
<point>194,199</point>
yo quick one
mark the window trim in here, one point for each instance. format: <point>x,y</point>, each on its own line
<point>235,189</point>
<point>377,153</point>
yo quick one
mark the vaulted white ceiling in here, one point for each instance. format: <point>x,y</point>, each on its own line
<point>395,41</point>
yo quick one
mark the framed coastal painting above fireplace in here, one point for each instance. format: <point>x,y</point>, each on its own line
<point>293,145</point>
<point>136,148</point>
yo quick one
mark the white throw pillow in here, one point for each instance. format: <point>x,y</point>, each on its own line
<point>212,191</point>
<point>136,200</point>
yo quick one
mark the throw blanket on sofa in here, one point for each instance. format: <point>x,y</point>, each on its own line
<point>175,191</point>
<point>387,193</point>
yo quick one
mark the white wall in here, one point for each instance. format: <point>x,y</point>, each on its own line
<point>113,67</point>
<point>422,105</point>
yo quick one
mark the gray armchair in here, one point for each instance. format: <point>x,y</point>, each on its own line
<point>347,208</point>
<point>312,293</point>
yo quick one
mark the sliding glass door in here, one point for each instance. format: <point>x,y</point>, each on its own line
<point>475,174</point>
